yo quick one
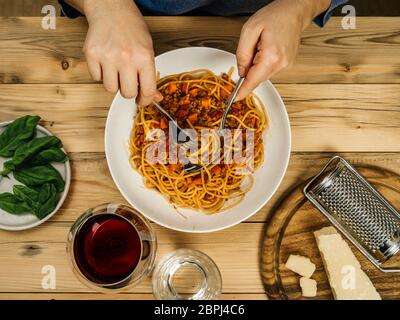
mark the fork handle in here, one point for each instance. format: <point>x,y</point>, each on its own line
<point>231,101</point>
<point>173,122</point>
<point>163,112</point>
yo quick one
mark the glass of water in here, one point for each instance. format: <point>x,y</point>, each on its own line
<point>187,275</point>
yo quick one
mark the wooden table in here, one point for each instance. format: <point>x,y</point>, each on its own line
<point>343,97</point>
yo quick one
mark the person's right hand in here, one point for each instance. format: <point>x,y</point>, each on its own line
<point>119,49</point>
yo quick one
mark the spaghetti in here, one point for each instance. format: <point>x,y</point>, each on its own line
<point>197,100</point>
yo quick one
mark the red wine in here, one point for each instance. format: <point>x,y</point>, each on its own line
<point>107,248</point>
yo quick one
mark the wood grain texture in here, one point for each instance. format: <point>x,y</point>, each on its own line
<point>25,8</point>
<point>324,117</point>
<point>23,254</point>
<point>342,97</point>
<point>92,183</point>
<point>290,231</point>
<point>368,54</point>
<point>119,296</point>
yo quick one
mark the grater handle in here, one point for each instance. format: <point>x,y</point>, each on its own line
<point>323,175</point>
<point>387,270</point>
<point>322,180</point>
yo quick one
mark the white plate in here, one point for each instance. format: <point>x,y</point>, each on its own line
<point>152,204</point>
<point>13,222</point>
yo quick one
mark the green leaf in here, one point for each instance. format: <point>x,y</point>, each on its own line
<point>17,133</point>
<point>39,175</point>
<point>53,154</point>
<point>12,204</point>
<point>41,200</point>
<point>48,192</point>
<point>27,195</point>
<point>27,150</point>
<point>45,192</point>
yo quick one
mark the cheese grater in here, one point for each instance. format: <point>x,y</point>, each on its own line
<point>355,208</point>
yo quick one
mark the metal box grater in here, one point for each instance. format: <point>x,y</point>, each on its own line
<point>354,207</point>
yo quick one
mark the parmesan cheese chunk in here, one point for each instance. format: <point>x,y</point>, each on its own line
<point>301,265</point>
<point>346,278</point>
<point>308,287</point>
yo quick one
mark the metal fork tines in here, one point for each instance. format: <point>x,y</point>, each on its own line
<point>181,138</point>
<point>181,135</point>
<point>184,141</point>
<point>354,207</point>
<point>193,143</point>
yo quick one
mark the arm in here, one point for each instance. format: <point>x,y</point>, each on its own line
<point>119,48</point>
<point>270,39</point>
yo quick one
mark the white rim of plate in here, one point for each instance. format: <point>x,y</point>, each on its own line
<point>63,195</point>
<point>231,224</point>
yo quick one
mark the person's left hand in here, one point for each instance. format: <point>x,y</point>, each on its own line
<point>270,39</point>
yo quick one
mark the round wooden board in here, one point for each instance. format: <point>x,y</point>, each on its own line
<point>290,231</point>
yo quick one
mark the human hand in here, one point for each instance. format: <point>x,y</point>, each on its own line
<point>270,39</point>
<point>119,49</point>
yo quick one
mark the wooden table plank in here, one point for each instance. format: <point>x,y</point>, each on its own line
<point>92,183</point>
<point>119,296</point>
<point>368,54</point>
<point>342,96</point>
<point>324,117</point>
<point>26,8</point>
<point>23,254</point>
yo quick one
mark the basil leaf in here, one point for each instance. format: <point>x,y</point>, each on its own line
<point>12,204</point>
<point>48,192</point>
<point>42,200</point>
<point>45,192</point>
<point>28,196</point>
<point>17,133</point>
<point>25,193</point>
<point>53,154</point>
<point>39,175</point>
<point>28,150</point>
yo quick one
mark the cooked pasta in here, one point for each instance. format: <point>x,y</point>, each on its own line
<point>196,100</point>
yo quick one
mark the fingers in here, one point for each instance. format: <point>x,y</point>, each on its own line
<point>266,64</point>
<point>128,82</point>
<point>122,73</point>
<point>148,88</point>
<point>261,70</point>
<point>94,68</point>
<point>247,47</point>
<point>110,77</point>
<point>253,78</point>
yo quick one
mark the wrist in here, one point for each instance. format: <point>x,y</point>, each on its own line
<point>95,8</point>
<point>89,8</point>
<point>321,6</point>
<point>310,9</point>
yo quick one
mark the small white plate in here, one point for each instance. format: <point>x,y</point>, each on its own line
<point>14,222</point>
<point>277,141</point>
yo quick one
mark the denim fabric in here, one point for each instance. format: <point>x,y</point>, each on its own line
<point>214,7</point>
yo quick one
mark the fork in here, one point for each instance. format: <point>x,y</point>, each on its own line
<point>178,130</point>
<point>192,143</point>
<point>188,166</point>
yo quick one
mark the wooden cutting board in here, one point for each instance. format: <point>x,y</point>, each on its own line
<point>290,231</point>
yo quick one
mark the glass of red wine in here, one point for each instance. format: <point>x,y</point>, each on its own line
<point>111,247</point>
